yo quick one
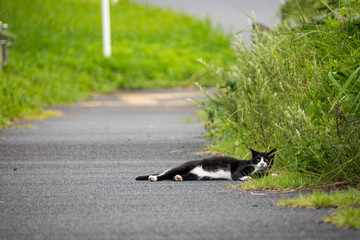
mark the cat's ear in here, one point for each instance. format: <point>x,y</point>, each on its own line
<point>253,152</point>
<point>272,153</point>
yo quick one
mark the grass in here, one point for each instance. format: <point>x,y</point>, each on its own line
<point>57,57</point>
<point>349,218</point>
<point>41,115</point>
<point>282,181</point>
<point>297,90</point>
<point>186,120</point>
<point>317,199</point>
<point>349,202</point>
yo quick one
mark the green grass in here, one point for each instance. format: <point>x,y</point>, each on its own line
<point>297,90</point>
<point>282,181</point>
<point>186,120</point>
<point>317,199</point>
<point>349,218</point>
<point>348,201</point>
<point>57,57</point>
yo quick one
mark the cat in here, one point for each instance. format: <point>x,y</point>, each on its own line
<point>218,168</point>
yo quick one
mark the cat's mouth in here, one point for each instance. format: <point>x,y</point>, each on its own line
<point>262,167</point>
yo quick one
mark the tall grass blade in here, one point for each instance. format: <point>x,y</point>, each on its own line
<point>334,80</point>
<point>345,87</point>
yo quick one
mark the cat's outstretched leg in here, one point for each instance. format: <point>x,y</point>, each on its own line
<point>146,177</point>
<point>170,174</point>
<point>178,178</point>
<point>186,177</point>
<point>167,175</point>
<point>142,178</point>
<point>246,178</point>
<point>152,178</point>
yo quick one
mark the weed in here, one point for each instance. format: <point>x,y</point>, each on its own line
<point>342,199</point>
<point>348,201</point>
<point>283,181</point>
<point>296,89</point>
<point>186,120</point>
<point>349,218</point>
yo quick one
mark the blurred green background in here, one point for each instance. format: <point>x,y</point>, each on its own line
<point>57,57</point>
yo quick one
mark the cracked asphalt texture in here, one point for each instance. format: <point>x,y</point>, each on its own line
<point>73,177</point>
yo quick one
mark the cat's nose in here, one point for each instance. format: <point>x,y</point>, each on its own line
<point>261,164</point>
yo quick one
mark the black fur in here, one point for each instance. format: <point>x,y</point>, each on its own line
<point>236,168</point>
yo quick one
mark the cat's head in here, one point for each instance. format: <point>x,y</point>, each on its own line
<point>262,160</point>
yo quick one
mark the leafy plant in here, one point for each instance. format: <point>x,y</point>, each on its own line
<point>296,89</point>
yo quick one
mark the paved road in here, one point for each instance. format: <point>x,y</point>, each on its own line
<point>226,13</point>
<point>73,177</point>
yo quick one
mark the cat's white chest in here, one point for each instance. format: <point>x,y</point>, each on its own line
<point>219,174</point>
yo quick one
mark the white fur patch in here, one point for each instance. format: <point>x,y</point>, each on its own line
<point>220,174</point>
<point>161,174</point>
<point>262,165</point>
<point>178,178</point>
<point>245,178</point>
<point>152,178</point>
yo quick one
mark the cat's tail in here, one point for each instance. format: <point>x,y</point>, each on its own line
<point>143,177</point>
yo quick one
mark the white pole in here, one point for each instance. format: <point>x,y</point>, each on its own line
<point>105,15</point>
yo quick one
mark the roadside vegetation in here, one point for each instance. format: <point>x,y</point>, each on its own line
<point>348,202</point>
<point>57,56</point>
<point>297,89</point>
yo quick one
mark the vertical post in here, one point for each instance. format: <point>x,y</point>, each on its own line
<point>5,44</point>
<point>1,49</point>
<point>105,15</point>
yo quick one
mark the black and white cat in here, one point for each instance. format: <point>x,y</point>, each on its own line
<point>218,168</point>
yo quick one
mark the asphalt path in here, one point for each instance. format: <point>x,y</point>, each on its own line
<point>73,177</point>
<point>228,14</point>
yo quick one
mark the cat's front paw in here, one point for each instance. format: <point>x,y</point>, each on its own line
<point>246,178</point>
<point>152,178</point>
<point>178,178</point>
